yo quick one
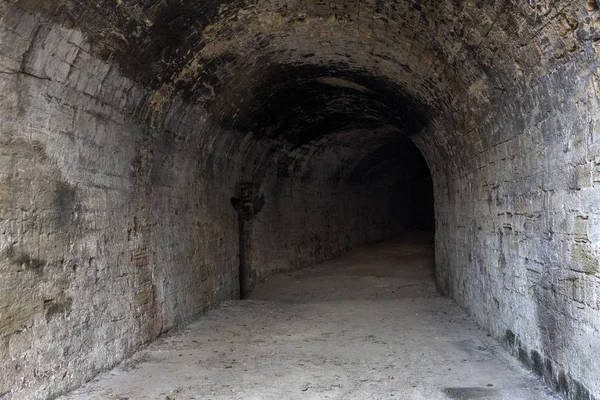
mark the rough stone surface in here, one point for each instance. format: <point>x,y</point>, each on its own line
<point>93,207</point>
<point>128,127</point>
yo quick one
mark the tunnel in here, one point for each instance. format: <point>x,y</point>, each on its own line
<point>161,158</point>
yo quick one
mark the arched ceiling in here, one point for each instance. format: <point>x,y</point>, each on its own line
<point>296,71</point>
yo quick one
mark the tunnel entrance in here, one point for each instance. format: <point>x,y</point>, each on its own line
<point>389,194</point>
<point>330,149</point>
<point>420,186</point>
<point>411,188</point>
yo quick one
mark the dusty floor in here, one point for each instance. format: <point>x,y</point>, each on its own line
<point>369,325</point>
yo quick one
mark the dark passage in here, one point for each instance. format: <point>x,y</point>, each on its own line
<point>328,154</point>
<point>388,192</point>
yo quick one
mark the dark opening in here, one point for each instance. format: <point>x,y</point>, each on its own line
<point>415,180</point>
<point>334,126</point>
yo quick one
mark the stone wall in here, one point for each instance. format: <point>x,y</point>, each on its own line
<point>517,235</point>
<point>111,230</point>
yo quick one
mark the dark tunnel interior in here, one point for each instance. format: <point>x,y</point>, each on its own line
<point>343,133</point>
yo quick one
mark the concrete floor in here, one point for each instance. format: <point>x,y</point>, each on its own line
<point>369,325</point>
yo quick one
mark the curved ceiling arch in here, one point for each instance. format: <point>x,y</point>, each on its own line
<point>293,71</point>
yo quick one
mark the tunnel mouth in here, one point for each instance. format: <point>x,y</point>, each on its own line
<point>335,131</point>
<point>342,129</point>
